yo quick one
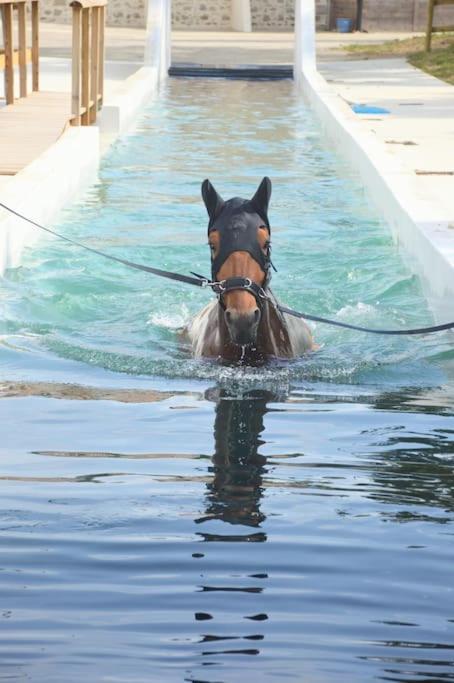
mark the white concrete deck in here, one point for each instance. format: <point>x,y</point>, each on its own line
<point>412,185</point>
<point>419,130</point>
<point>229,48</point>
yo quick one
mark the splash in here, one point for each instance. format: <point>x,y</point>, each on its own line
<point>170,321</point>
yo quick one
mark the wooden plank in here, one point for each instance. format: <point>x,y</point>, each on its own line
<point>9,52</point>
<point>29,127</point>
<point>444,2</point>
<point>94,70</point>
<point>76,75</point>
<point>22,50</point>
<point>85,98</point>
<point>35,45</point>
<point>102,30</point>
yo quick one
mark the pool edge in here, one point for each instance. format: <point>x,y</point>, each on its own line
<point>426,243</point>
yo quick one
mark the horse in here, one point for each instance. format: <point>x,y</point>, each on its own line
<point>244,322</point>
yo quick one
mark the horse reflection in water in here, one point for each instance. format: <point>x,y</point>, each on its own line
<point>233,497</point>
<point>235,492</point>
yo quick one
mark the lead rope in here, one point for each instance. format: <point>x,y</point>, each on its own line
<point>201,281</point>
<point>198,281</point>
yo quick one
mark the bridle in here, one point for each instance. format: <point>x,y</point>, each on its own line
<point>245,284</point>
<point>237,224</point>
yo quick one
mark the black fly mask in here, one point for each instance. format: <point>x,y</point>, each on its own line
<point>237,221</point>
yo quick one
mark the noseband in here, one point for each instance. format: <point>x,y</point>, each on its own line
<point>231,284</point>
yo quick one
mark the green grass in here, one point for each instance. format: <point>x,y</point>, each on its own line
<point>439,62</point>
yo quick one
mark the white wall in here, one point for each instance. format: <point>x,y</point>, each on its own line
<point>304,53</point>
<point>158,45</point>
<point>241,16</point>
<point>44,187</point>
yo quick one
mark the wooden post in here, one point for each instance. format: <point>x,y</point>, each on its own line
<point>85,118</point>
<point>102,28</point>
<point>35,45</point>
<point>94,67</point>
<point>22,49</point>
<point>9,52</point>
<point>88,60</point>
<point>21,55</point>
<point>76,61</point>
<point>430,20</point>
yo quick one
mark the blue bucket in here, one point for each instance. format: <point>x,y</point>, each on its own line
<point>344,25</point>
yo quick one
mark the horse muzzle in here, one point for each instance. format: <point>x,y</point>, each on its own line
<point>242,327</point>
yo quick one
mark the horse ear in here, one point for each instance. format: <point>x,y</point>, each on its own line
<point>213,201</point>
<point>262,197</point>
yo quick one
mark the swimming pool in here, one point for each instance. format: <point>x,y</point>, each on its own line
<point>171,519</point>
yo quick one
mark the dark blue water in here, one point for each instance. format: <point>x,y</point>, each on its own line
<point>166,519</point>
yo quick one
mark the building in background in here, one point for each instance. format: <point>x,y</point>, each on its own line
<point>278,15</point>
<point>388,15</point>
<point>265,15</point>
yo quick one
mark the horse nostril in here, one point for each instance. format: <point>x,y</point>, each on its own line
<point>256,315</point>
<point>228,316</point>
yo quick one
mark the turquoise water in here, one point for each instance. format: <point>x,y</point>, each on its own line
<point>164,518</point>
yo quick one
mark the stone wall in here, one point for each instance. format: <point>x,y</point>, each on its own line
<point>405,15</point>
<point>390,15</point>
<point>266,15</point>
<point>279,15</point>
<point>119,12</point>
<point>201,14</point>
<point>269,15</point>
<point>55,11</point>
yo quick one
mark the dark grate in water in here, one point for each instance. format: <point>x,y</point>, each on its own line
<point>270,72</point>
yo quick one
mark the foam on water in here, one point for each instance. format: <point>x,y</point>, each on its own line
<point>173,321</point>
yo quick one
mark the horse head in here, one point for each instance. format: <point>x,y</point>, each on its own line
<point>239,238</point>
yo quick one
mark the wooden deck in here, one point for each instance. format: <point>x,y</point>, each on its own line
<point>30,126</point>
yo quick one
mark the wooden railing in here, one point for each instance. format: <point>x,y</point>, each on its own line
<point>87,60</point>
<point>22,55</point>
<point>430,20</point>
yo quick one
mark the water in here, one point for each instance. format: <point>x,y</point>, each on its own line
<point>166,519</point>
